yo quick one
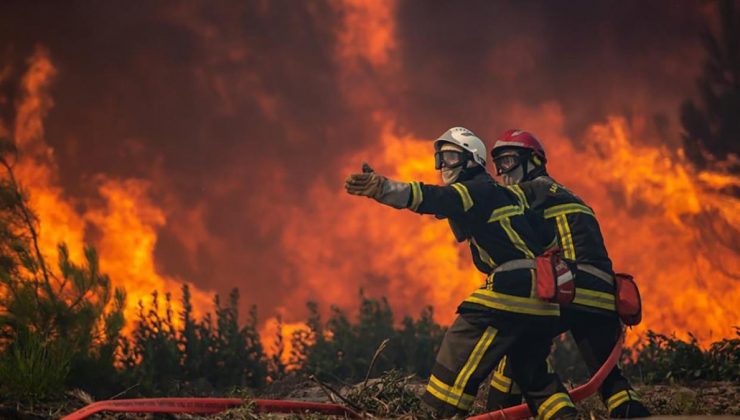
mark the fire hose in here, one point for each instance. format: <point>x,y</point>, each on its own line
<point>217,405</point>
<point>207,406</point>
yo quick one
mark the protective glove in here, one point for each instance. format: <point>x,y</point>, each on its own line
<point>368,183</point>
<point>386,191</point>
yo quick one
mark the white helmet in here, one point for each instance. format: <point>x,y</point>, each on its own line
<point>465,139</point>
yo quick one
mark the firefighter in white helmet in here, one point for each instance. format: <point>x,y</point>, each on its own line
<point>502,316</point>
<point>520,159</point>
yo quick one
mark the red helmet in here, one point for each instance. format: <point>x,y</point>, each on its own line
<point>519,138</point>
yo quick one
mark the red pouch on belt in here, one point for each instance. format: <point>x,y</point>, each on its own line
<point>554,279</point>
<point>629,304</point>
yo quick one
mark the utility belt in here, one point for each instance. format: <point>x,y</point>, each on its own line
<point>627,295</point>
<point>597,272</point>
<point>554,283</point>
<point>515,265</point>
<point>553,279</point>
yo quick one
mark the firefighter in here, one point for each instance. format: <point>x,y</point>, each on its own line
<point>500,317</point>
<point>520,159</point>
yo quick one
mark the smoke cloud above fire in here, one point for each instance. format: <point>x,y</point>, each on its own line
<point>208,142</point>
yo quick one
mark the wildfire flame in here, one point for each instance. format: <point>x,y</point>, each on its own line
<point>671,226</point>
<point>125,214</point>
<point>655,210</point>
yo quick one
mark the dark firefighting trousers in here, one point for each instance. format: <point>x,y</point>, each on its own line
<point>473,346</point>
<point>595,334</point>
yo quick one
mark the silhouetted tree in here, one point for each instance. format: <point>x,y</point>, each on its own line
<point>277,367</point>
<point>712,126</point>
<point>68,313</point>
<point>340,350</point>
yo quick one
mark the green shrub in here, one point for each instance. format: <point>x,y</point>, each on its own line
<point>33,369</point>
<point>341,350</point>
<point>197,357</point>
<point>664,358</point>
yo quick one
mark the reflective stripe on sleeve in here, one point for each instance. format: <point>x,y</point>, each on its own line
<point>509,303</point>
<point>416,196</point>
<point>566,238</point>
<point>467,200</point>
<point>519,193</point>
<point>569,208</point>
<point>505,212</point>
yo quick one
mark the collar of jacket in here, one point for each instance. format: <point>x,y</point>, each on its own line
<point>536,173</point>
<point>469,173</point>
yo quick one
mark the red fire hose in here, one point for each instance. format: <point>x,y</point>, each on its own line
<point>216,405</point>
<point>206,406</point>
<point>577,394</point>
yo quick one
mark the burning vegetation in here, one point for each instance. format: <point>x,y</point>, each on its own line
<point>117,234</point>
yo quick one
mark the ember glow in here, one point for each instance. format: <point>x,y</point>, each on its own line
<point>209,145</point>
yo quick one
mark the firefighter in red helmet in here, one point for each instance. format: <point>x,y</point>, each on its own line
<point>521,161</point>
<point>500,317</point>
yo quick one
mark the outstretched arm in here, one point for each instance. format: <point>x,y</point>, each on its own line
<point>386,191</point>
<point>450,201</point>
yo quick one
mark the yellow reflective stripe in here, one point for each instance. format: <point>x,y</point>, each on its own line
<point>467,200</point>
<point>515,238</point>
<point>519,193</point>
<point>556,408</point>
<point>621,397</point>
<point>504,302</point>
<point>474,360</point>
<point>617,399</point>
<point>499,380</point>
<point>483,254</point>
<point>501,383</point>
<point>416,196</point>
<point>504,212</point>
<point>443,392</point>
<point>501,365</point>
<point>569,208</point>
<point>566,238</point>
<point>595,299</point>
<point>553,404</point>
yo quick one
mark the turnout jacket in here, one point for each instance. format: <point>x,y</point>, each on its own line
<point>497,227</point>
<point>579,237</point>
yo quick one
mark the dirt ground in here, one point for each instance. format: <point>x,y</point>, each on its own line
<point>698,400</point>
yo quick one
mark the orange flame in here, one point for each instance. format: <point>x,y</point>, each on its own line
<point>127,218</point>
<point>653,209</point>
<point>669,225</point>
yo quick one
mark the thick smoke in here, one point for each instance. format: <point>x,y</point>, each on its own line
<point>236,111</point>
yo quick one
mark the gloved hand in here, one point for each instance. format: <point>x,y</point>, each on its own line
<point>368,183</point>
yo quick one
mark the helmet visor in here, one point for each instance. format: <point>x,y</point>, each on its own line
<point>506,162</point>
<point>448,159</point>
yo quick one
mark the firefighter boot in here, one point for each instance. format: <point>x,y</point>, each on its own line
<point>626,405</point>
